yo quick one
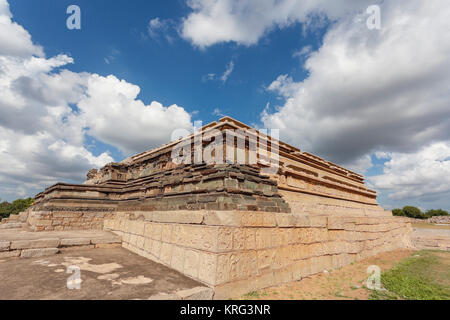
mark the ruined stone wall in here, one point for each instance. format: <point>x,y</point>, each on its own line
<point>236,252</point>
<point>305,203</point>
<point>196,187</point>
<point>58,219</point>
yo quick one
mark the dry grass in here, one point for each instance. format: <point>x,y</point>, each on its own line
<point>424,225</point>
<point>347,283</point>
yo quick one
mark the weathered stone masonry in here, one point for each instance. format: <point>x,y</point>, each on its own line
<point>238,252</point>
<point>232,227</point>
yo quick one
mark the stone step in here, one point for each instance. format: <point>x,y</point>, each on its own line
<point>32,248</point>
<point>12,225</point>
<point>12,218</point>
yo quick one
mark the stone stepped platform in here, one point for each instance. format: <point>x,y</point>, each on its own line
<point>26,244</point>
<point>17,221</point>
<point>13,225</point>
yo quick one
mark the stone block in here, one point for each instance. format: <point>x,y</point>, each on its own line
<point>34,244</point>
<point>336,223</point>
<point>77,248</point>
<point>250,238</point>
<point>133,240</point>
<point>238,239</point>
<point>225,239</point>
<point>266,259</point>
<point>223,218</point>
<point>148,230</point>
<point>252,219</point>
<point>269,219</point>
<point>36,253</point>
<point>177,261</point>
<point>283,275</point>
<point>285,220</point>
<point>4,245</point>
<point>166,253</point>
<point>156,248</point>
<point>223,268</point>
<point>191,263</point>
<point>166,231</point>
<point>10,254</point>
<point>148,243</point>
<point>75,242</point>
<point>110,240</point>
<point>157,232</point>
<point>207,267</point>
<point>189,217</point>
<point>140,242</point>
<point>263,238</point>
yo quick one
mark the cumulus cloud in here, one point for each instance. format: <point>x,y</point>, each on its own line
<point>111,108</point>
<point>46,112</point>
<point>372,90</point>
<point>14,39</point>
<point>415,175</point>
<point>246,21</point>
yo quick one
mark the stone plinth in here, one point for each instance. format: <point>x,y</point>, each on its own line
<point>236,252</point>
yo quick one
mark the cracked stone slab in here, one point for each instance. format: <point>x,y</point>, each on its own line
<point>35,253</point>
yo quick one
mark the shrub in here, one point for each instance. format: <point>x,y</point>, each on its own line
<point>398,213</point>
<point>435,213</point>
<point>19,205</point>
<point>413,212</point>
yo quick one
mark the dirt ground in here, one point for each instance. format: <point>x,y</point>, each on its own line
<point>105,274</point>
<point>346,283</point>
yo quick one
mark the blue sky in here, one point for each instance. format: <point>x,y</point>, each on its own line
<point>167,72</point>
<point>313,69</point>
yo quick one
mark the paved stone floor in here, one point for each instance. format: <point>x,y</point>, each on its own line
<point>105,273</point>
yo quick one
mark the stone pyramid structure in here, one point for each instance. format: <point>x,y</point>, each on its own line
<point>229,206</point>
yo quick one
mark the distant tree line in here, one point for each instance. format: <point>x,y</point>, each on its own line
<point>416,213</point>
<point>16,207</point>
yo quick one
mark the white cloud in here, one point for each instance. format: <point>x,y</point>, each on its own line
<point>360,165</point>
<point>246,21</point>
<point>372,90</point>
<point>284,86</point>
<point>303,52</point>
<point>223,78</point>
<point>111,56</point>
<point>218,112</point>
<point>383,92</point>
<point>111,108</point>
<point>46,111</point>
<point>14,39</point>
<point>228,71</point>
<point>209,77</point>
<point>414,175</point>
<point>158,28</point>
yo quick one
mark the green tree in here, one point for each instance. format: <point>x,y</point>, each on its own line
<point>398,212</point>
<point>413,212</point>
<point>19,205</point>
<point>435,213</point>
<point>5,209</point>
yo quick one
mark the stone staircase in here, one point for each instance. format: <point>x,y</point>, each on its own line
<point>28,244</point>
<point>17,221</point>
